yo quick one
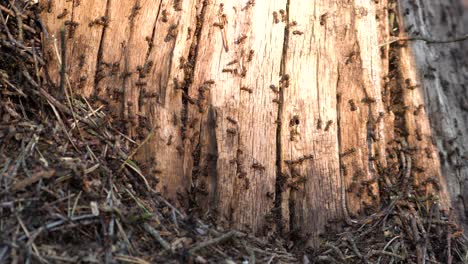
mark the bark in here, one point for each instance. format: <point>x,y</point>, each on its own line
<point>441,74</point>
<point>276,115</point>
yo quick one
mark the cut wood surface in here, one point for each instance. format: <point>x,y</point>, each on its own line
<point>233,138</point>
<point>272,115</point>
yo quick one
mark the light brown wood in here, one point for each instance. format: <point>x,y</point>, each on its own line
<point>108,49</point>
<point>51,41</point>
<point>274,116</point>
<point>85,45</point>
<point>314,185</point>
<point>234,120</point>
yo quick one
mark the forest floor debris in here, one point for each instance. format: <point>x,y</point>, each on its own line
<point>69,192</point>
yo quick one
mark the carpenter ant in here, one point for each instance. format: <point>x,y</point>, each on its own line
<point>81,60</point>
<point>102,21</point>
<point>169,140</point>
<point>164,14</point>
<point>247,183</point>
<point>249,4</point>
<point>229,70</point>
<point>171,33</point>
<point>258,166</point>
<point>177,5</point>
<point>250,57</point>
<point>329,123</point>
<point>180,150</point>
<point>299,160</point>
<point>418,109</point>
<point>243,72</point>
<point>319,123</point>
<point>72,27</point>
<point>293,24</point>
<point>241,39</point>
<point>419,134</point>
<point>274,88</point>
<point>283,15</point>
<point>352,104</point>
<point>275,17</point>
<point>231,131</point>
<point>323,19</point>
<point>348,152</point>
<point>368,100</point>
<point>221,26</point>
<point>232,120</point>
<point>381,116</point>
<point>244,88</point>
<point>232,62</point>
<point>63,14</point>
<point>428,152</point>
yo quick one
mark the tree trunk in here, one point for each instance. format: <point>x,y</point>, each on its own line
<point>276,115</point>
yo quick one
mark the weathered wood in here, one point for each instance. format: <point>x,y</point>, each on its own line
<point>111,49</point>
<point>438,103</point>
<point>274,112</point>
<point>309,96</point>
<point>361,133</point>
<point>55,22</point>
<point>232,129</point>
<point>155,94</point>
<point>86,44</point>
<point>338,86</point>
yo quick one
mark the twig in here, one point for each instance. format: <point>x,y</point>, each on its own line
<point>416,236</point>
<point>449,241</point>
<point>214,241</point>
<point>355,249</point>
<point>383,252</point>
<point>426,236</point>
<point>110,203</point>
<point>252,259</point>
<point>386,246</point>
<point>337,251</point>
<point>329,259</point>
<point>36,177</point>
<point>130,259</point>
<point>427,40</point>
<point>19,21</point>
<point>30,238</point>
<point>129,246</point>
<point>155,234</point>
<point>148,137</point>
<point>271,259</point>
<point>63,62</point>
<point>54,225</point>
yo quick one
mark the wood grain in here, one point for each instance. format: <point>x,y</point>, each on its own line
<point>270,116</point>
<point>438,130</point>
<point>234,138</point>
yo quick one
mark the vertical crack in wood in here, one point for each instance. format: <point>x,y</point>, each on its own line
<point>188,81</point>
<point>280,179</point>
<point>370,119</point>
<point>126,71</point>
<point>148,52</point>
<point>344,206</point>
<point>100,52</point>
<point>70,44</point>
